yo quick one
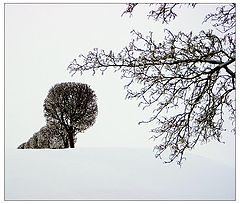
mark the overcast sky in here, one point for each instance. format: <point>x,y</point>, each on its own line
<point>40,42</point>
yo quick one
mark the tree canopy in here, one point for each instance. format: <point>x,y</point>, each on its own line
<point>72,107</point>
<point>192,74</point>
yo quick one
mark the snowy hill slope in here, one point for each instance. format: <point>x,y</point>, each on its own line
<point>115,174</point>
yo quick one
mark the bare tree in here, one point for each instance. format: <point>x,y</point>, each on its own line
<point>194,75</point>
<point>72,106</point>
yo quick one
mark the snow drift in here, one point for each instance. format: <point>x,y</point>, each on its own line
<point>112,174</point>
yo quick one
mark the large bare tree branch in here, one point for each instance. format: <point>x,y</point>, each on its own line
<point>187,80</point>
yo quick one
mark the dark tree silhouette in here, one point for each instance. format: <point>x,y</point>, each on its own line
<point>73,107</point>
<point>194,75</point>
<point>49,136</point>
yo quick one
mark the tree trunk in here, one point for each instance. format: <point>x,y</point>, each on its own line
<point>71,139</point>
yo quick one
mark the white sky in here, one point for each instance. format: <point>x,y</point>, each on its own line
<point>40,42</point>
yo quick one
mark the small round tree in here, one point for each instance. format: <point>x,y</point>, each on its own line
<point>72,106</point>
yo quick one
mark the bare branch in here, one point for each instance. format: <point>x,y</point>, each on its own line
<point>187,80</point>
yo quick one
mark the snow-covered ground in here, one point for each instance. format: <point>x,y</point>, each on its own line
<point>112,173</point>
